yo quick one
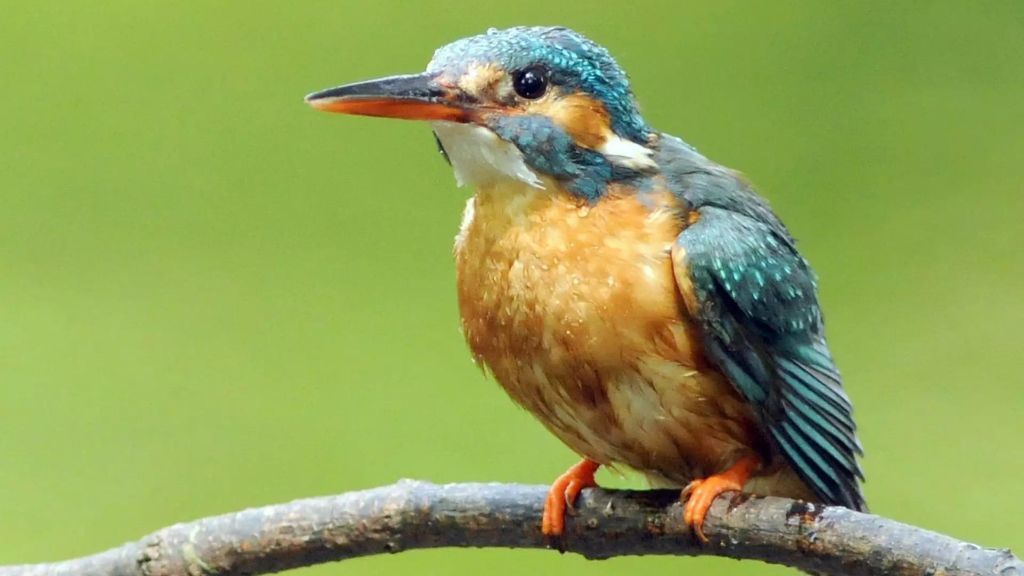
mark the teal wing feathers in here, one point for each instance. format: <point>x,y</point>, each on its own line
<point>755,301</point>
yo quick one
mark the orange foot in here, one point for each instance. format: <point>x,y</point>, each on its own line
<point>563,494</point>
<point>699,494</point>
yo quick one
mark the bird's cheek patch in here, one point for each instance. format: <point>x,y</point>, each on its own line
<point>586,120</point>
<point>582,117</point>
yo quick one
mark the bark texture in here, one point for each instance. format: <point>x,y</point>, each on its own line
<point>410,515</point>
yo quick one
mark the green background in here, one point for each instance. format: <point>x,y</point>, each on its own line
<point>214,297</point>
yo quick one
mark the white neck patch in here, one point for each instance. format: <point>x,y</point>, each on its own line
<point>627,153</point>
<point>479,157</point>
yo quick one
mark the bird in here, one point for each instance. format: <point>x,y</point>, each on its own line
<point>642,301</point>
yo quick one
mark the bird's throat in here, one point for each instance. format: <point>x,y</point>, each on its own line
<point>481,159</point>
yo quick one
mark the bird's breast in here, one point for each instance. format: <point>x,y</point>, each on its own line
<point>540,270</point>
<point>573,307</point>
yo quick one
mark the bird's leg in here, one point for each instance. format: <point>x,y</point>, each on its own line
<point>563,494</point>
<point>699,494</point>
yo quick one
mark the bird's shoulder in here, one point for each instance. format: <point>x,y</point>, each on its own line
<point>732,239</point>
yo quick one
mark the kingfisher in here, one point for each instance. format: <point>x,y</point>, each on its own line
<point>643,302</point>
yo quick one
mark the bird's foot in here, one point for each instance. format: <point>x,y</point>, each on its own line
<point>563,493</point>
<point>699,494</point>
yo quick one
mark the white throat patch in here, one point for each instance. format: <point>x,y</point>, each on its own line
<point>479,157</point>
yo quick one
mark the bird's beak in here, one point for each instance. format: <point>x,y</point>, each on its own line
<point>413,97</point>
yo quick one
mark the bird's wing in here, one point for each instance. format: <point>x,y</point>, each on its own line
<point>754,300</point>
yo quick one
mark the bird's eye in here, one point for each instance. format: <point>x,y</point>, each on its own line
<point>530,83</point>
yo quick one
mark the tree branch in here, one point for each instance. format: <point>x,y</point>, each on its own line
<point>410,515</point>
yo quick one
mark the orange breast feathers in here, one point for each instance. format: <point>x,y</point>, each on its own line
<point>539,269</point>
<point>574,309</point>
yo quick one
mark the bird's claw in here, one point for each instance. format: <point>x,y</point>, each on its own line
<point>699,494</point>
<point>562,495</point>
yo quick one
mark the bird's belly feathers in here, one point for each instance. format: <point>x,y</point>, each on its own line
<point>574,309</point>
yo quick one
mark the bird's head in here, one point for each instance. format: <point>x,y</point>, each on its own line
<point>523,104</point>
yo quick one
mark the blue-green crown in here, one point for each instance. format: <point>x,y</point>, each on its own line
<point>573,61</point>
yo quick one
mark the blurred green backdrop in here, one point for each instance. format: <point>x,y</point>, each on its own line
<point>214,297</point>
